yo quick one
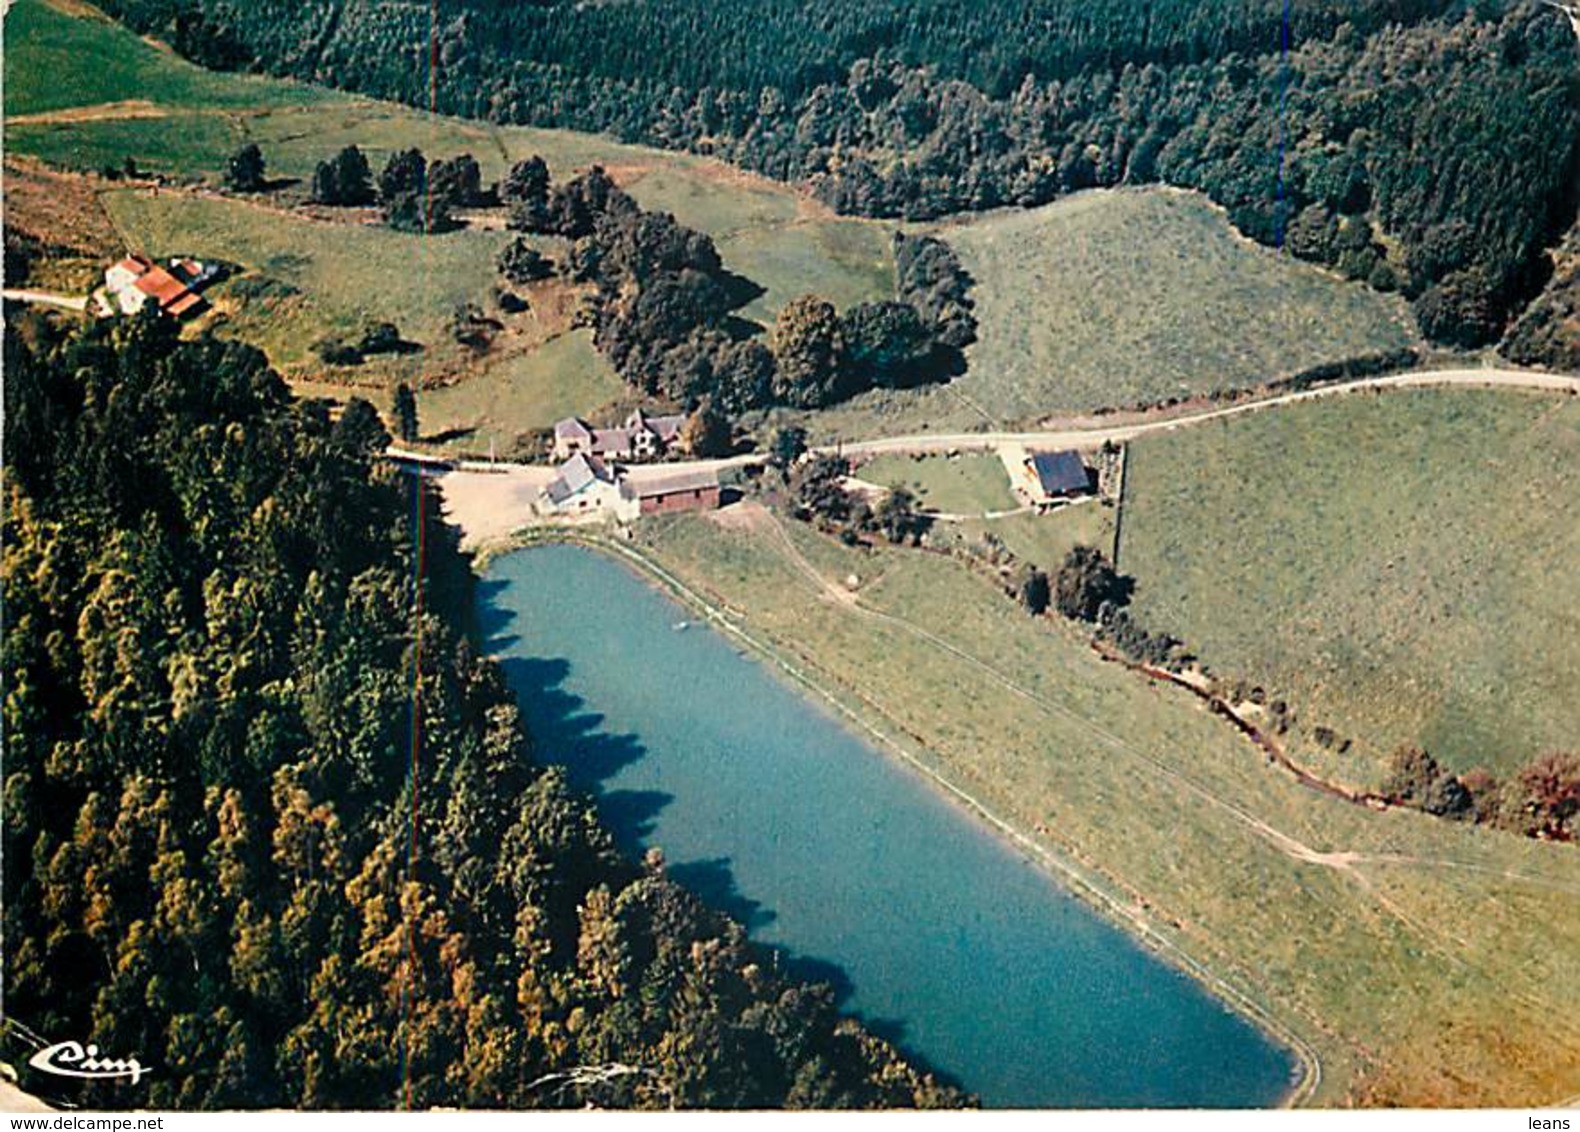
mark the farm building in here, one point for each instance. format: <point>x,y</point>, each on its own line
<point>130,284</point>
<point>1045,478</point>
<point>641,437</point>
<point>683,491</point>
<point>585,486</point>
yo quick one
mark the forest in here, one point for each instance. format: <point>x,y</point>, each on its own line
<point>1425,146</point>
<point>274,826</point>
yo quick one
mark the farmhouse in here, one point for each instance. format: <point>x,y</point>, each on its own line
<point>585,486</point>
<point>136,280</point>
<point>641,437</point>
<point>1046,478</point>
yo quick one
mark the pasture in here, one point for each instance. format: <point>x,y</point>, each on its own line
<point>1399,566</point>
<point>337,277</point>
<point>1112,299</point>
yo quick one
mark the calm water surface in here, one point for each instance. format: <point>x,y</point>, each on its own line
<point>941,936</point>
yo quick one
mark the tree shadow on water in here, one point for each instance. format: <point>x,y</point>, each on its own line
<point>565,732</point>
<point>712,881</point>
<point>492,616</point>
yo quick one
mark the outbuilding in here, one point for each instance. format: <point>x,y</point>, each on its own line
<point>682,491</point>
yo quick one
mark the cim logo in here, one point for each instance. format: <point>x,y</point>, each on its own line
<point>70,1059</point>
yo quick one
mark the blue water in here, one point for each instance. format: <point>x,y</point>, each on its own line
<point>938,934</point>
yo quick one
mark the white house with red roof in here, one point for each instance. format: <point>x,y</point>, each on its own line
<point>135,281</point>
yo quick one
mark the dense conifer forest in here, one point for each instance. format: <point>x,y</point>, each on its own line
<point>1428,146</point>
<point>221,854</point>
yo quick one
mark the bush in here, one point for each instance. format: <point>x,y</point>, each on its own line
<point>1036,592</point>
<point>1415,779</point>
<point>1086,582</point>
<point>381,338</point>
<point>520,262</point>
<point>337,352</point>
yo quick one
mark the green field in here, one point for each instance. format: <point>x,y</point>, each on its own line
<point>1400,566</point>
<point>564,377</point>
<point>54,60</point>
<point>1415,970</point>
<point>184,122</point>
<point>844,261</point>
<point>347,274</point>
<point>1121,298</point>
<point>968,484</point>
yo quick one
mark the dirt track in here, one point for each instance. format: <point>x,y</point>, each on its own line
<point>1095,435</point>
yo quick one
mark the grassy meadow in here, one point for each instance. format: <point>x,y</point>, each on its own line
<point>1127,297</point>
<point>342,275</point>
<point>1427,963</point>
<point>563,377</point>
<point>1400,567</point>
<point>67,54</point>
<point>970,483</point>
<point>83,93</point>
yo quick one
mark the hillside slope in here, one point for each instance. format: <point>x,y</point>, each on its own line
<point>1425,145</point>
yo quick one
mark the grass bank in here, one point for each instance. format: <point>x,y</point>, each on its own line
<point>1334,919</point>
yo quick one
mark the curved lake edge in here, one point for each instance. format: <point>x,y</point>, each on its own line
<point>1068,876</point>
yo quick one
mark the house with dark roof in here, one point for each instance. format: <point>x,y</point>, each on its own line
<point>1061,474</point>
<point>1045,478</point>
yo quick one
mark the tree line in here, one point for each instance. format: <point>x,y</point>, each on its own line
<point>223,855</point>
<point>663,305</point>
<point>1541,799</point>
<point>1425,146</point>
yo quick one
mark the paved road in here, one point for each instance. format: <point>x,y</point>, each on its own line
<point>1096,434</point>
<point>70,302</point>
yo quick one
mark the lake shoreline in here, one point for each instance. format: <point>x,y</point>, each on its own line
<point>1069,876</point>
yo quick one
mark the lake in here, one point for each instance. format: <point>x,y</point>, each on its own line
<point>939,935</point>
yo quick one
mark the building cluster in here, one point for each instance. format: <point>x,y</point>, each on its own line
<point>589,487</point>
<point>591,483</point>
<point>173,288</point>
<point>640,438</point>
